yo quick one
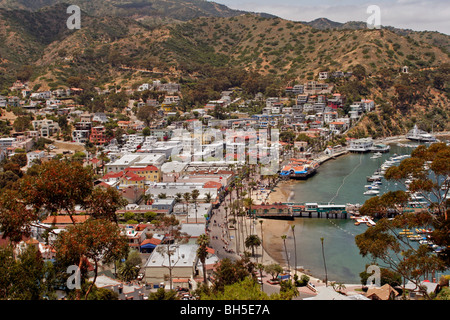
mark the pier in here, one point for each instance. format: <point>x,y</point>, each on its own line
<point>292,210</point>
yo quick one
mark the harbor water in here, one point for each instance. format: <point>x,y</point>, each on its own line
<point>339,181</point>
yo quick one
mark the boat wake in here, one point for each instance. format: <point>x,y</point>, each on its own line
<point>343,181</point>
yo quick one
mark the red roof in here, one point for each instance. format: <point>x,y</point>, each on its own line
<point>212,184</point>
<point>110,175</point>
<point>149,167</point>
<point>151,241</point>
<point>65,219</point>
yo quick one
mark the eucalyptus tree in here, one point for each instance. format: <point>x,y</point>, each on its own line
<point>426,174</point>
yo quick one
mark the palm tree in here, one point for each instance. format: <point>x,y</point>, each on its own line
<point>178,197</point>
<point>285,250</point>
<point>208,197</point>
<point>202,252</point>
<point>262,240</point>
<point>194,195</point>
<point>252,241</point>
<point>323,255</point>
<point>187,197</point>
<point>295,248</point>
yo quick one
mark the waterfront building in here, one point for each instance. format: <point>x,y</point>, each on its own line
<point>361,145</point>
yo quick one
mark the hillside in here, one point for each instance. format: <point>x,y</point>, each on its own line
<point>431,37</point>
<point>150,12</point>
<point>212,53</point>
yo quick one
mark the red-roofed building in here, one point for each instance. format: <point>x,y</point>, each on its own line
<point>63,221</point>
<point>149,173</point>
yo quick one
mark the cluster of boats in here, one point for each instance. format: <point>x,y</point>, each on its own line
<point>373,189</point>
<point>421,238</point>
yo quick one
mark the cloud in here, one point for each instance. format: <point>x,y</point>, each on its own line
<point>419,15</point>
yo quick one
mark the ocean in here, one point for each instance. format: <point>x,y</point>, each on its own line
<point>340,181</point>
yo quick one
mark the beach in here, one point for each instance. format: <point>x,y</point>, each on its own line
<point>282,192</point>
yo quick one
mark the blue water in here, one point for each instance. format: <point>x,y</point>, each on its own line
<point>341,180</point>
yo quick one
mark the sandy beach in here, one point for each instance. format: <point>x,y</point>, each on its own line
<point>282,192</point>
<point>273,229</point>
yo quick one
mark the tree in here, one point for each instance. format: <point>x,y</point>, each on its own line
<point>295,248</point>
<point>246,289</point>
<point>429,169</point>
<point>162,294</point>
<point>129,269</point>
<point>252,241</point>
<point>15,217</point>
<point>187,197</point>
<point>274,270</point>
<point>22,123</point>
<point>285,249</point>
<point>228,272</point>
<point>22,278</point>
<point>147,114</point>
<point>103,203</point>
<point>202,252</point>
<point>262,239</point>
<point>57,186</point>
<point>94,241</point>
<point>324,262</point>
<point>195,194</point>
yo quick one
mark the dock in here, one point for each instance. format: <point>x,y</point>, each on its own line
<point>292,210</point>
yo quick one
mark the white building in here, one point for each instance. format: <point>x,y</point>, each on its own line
<point>360,145</point>
<point>185,265</point>
<point>125,291</point>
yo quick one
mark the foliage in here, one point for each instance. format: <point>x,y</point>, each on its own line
<point>95,240</point>
<point>246,289</point>
<point>162,294</point>
<point>24,278</point>
<point>57,186</point>
<point>385,241</point>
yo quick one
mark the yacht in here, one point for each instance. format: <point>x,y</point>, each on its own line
<point>371,192</point>
<point>419,135</point>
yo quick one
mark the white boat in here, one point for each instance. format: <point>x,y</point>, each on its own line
<point>371,192</point>
<point>419,135</point>
<point>372,187</point>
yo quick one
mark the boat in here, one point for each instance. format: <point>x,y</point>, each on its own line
<point>374,178</point>
<point>371,192</point>
<point>378,148</point>
<point>372,187</point>
<point>364,219</point>
<point>422,230</point>
<point>419,135</point>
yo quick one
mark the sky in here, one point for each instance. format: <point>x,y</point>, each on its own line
<point>418,15</point>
